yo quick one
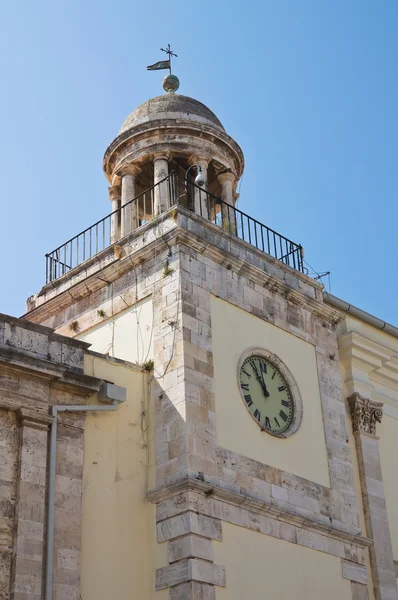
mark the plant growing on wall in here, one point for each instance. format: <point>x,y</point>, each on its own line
<point>74,326</point>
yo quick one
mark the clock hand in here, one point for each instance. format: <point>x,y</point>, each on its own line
<point>266,392</point>
<point>260,379</point>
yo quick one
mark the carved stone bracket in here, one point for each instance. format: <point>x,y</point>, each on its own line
<point>365,413</point>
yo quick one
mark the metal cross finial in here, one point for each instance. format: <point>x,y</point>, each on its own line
<point>170,53</point>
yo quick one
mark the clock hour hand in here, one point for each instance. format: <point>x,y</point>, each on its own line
<point>260,379</point>
<point>266,392</point>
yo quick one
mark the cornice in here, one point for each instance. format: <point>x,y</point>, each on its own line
<point>134,252</point>
<point>191,484</point>
<point>376,359</point>
<point>57,375</point>
<point>179,126</point>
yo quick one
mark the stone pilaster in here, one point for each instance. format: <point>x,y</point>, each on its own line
<point>191,573</point>
<point>27,567</point>
<point>365,414</point>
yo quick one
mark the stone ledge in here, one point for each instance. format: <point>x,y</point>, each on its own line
<point>343,533</point>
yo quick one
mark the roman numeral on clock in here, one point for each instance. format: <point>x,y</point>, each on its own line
<point>263,367</point>
<point>248,400</point>
<point>281,388</point>
<point>283,415</point>
<point>257,415</point>
<point>286,403</point>
<point>245,386</point>
<point>276,421</point>
<point>267,423</point>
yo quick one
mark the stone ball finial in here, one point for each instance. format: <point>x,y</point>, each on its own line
<point>171,83</point>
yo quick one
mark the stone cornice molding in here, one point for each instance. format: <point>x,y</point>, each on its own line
<point>134,252</point>
<point>58,375</point>
<point>365,414</point>
<point>145,131</point>
<point>192,484</point>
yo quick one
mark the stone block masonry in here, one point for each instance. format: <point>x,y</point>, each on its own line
<point>38,369</point>
<point>199,484</point>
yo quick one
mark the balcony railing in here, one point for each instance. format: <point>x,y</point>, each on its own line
<point>156,200</point>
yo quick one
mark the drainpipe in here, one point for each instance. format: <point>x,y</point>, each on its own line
<point>108,392</point>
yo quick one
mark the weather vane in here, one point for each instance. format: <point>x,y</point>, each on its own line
<point>171,82</point>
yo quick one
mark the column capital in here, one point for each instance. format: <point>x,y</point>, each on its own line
<point>200,159</point>
<point>365,414</point>
<point>115,193</point>
<point>223,177</point>
<point>161,156</point>
<point>130,169</point>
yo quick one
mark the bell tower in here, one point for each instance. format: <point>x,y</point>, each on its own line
<point>218,308</point>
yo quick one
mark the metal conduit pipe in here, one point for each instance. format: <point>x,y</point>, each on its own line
<point>109,391</point>
<point>360,314</point>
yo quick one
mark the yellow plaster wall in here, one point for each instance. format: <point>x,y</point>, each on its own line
<point>128,335</point>
<point>259,566</point>
<point>119,549</point>
<point>388,449</point>
<point>304,453</point>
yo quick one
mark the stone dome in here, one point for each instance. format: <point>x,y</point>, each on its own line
<point>171,106</point>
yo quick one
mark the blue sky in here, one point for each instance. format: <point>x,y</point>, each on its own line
<point>309,90</point>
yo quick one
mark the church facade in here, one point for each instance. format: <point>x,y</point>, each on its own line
<point>184,412</point>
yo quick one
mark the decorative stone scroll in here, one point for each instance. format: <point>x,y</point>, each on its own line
<point>365,413</point>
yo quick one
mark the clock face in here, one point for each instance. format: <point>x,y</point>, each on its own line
<point>266,394</point>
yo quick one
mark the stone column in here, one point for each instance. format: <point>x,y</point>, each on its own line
<point>200,195</point>
<point>161,191</point>
<point>227,181</point>
<point>30,510</point>
<point>114,197</point>
<point>365,414</point>
<point>129,214</point>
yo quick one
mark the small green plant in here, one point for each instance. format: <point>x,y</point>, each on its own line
<point>101,313</point>
<point>167,269</point>
<point>174,214</point>
<point>148,365</point>
<point>74,326</point>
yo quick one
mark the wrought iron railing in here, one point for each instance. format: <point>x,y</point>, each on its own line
<point>156,200</point>
<point>110,229</point>
<point>246,228</point>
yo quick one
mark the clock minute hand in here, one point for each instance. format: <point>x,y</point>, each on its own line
<point>266,392</point>
<point>260,379</point>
